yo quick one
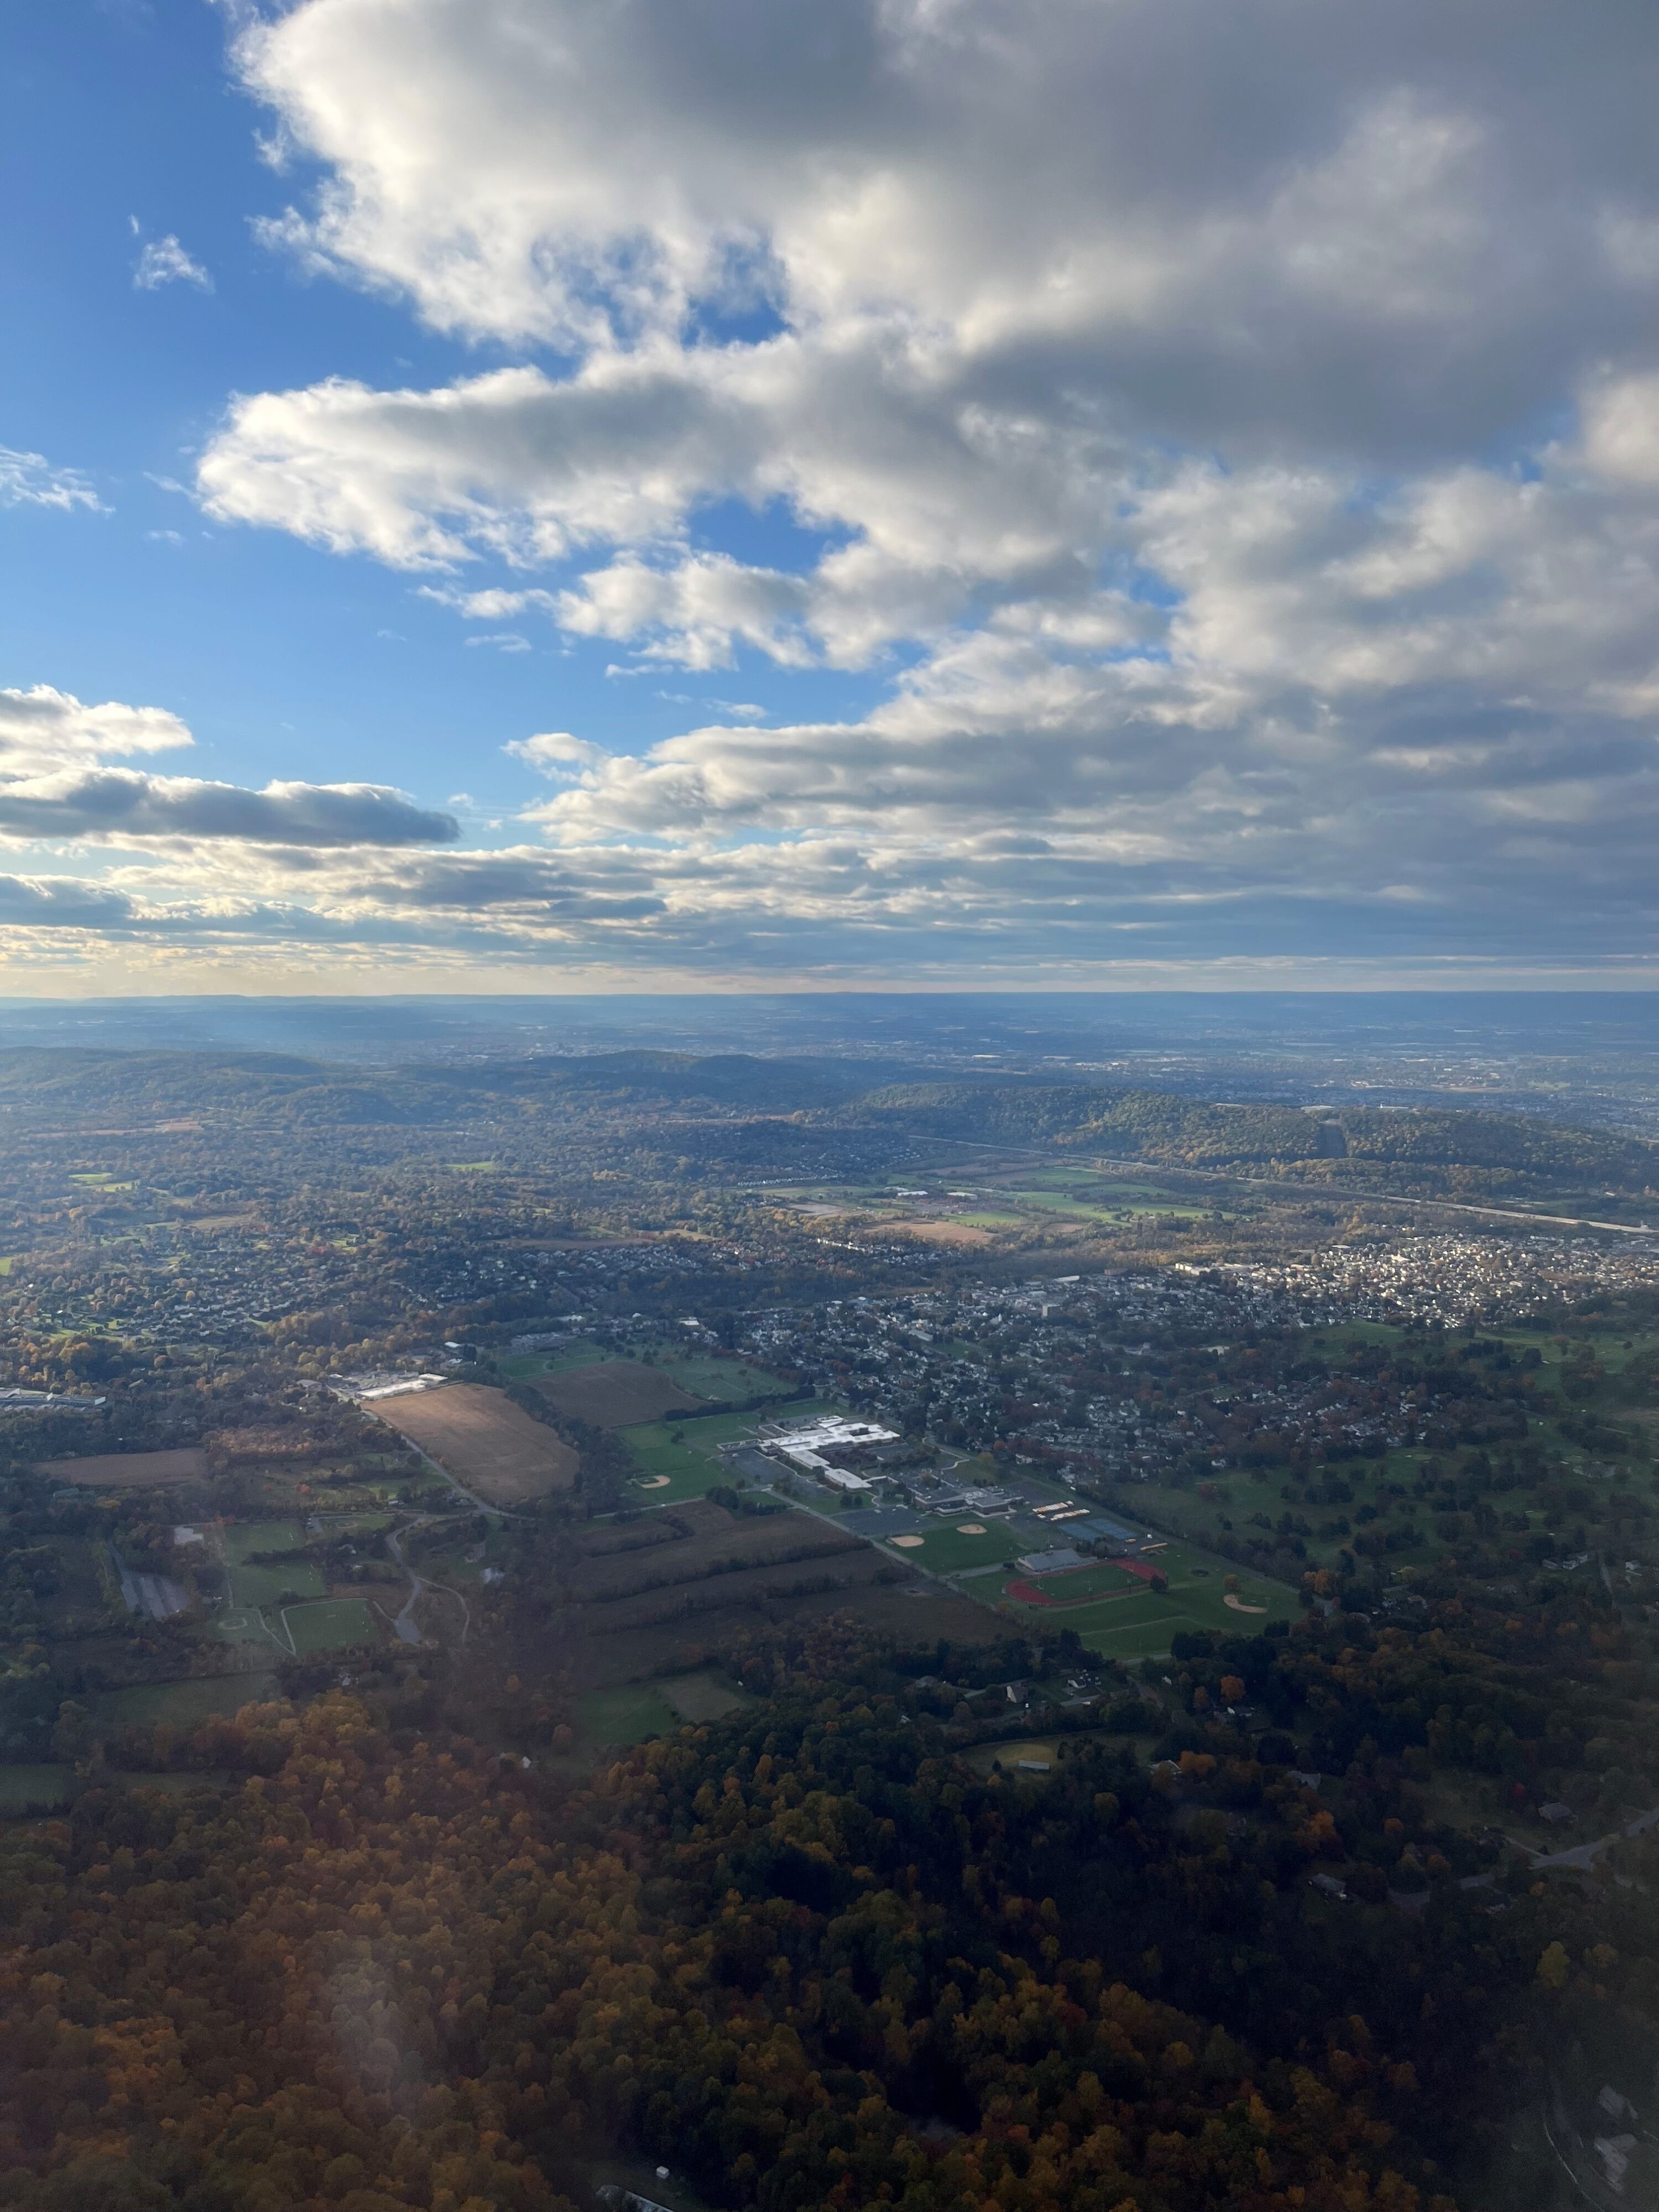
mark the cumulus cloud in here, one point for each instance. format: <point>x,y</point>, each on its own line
<point>1230,432</point>
<point>56,784</point>
<point>164,261</point>
<point>42,727</point>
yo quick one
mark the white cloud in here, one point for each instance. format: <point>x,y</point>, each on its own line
<point>1230,433</point>
<point>30,480</point>
<point>164,261</point>
<point>54,784</point>
<point>43,727</point>
<point>100,804</point>
<point>557,752</point>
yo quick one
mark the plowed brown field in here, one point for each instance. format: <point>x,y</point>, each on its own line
<point>486,1441</point>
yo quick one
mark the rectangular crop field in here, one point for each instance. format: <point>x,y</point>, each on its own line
<point>130,1470</point>
<point>491,1446</point>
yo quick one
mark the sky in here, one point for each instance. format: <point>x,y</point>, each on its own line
<point>706,495</point>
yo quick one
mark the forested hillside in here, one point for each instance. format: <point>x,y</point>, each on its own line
<point>807,1957</point>
<point>1409,1147</point>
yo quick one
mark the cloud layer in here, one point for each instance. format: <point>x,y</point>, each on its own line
<point>1226,436</point>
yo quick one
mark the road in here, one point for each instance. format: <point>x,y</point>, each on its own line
<point>404,1623</point>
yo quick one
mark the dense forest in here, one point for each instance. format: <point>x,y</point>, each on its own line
<point>809,1956</point>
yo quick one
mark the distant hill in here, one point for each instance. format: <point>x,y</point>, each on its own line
<point>136,1086</point>
<point>1361,1147</point>
<point>1426,1151</point>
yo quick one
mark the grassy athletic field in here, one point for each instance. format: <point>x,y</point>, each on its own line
<point>945,1549</point>
<point>243,1538</point>
<point>1141,1620</point>
<point>332,1624</point>
<point>691,1465</point>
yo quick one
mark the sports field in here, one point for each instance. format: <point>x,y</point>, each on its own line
<point>1137,1621</point>
<point>491,1446</point>
<point>670,1471</point>
<point>945,1549</point>
<point>332,1624</point>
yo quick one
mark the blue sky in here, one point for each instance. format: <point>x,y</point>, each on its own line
<point>282,660</point>
<point>517,495</point>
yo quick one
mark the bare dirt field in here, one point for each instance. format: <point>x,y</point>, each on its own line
<point>486,1441</point>
<point>615,1393</point>
<point>131,1470</point>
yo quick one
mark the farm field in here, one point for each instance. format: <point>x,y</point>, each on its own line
<point>488,1444</point>
<point>657,1595</point>
<point>616,1394</point>
<point>131,1470</point>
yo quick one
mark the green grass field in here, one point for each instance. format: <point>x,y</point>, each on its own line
<point>262,1586</point>
<point>1085,1583</point>
<point>1104,1207</point>
<point>33,1789</point>
<point>522,1364</point>
<point>944,1551</point>
<point>246,1537</point>
<point>692,1467</point>
<point>185,1703</point>
<point>705,1376</point>
<point>1142,1621</point>
<point>626,1715</point>
<point>331,1625</point>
